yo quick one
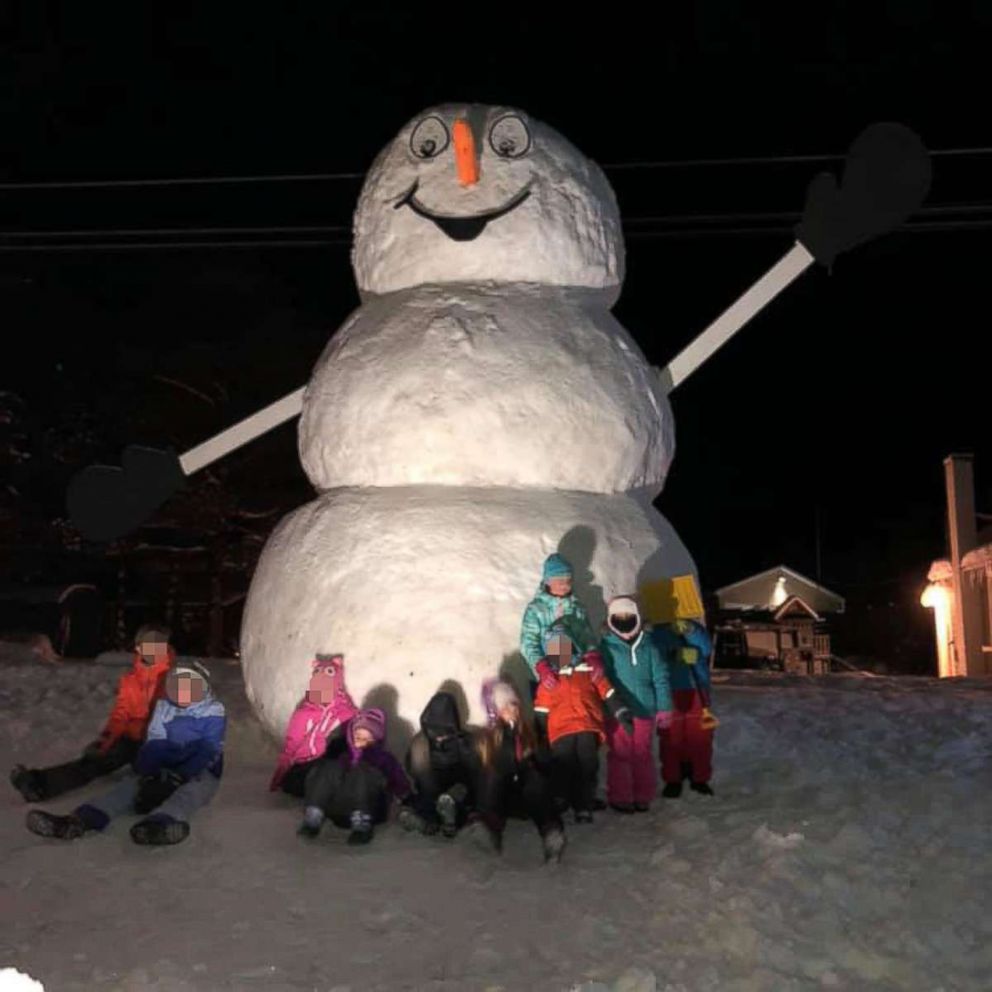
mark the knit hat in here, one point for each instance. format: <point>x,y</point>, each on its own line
<point>556,567</point>
<point>373,720</point>
<point>623,606</point>
<point>193,667</point>
<point>156,633</point>
<point>495,695</point>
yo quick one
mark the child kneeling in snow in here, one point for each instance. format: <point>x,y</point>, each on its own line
<point>570,696</point>
<point>686,744</point>
<point>176,771</point>
<point>444,764</point>
<point>353,782</point>
<point>324,709</point>
<point>510,781</point>
<point>637,671</point>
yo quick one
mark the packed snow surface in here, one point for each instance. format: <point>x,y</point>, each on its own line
<point>846,848</point>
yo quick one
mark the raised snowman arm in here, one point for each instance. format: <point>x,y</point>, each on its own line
<point>886,178</point>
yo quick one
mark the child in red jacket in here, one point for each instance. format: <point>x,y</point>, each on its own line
<point>570,698</point>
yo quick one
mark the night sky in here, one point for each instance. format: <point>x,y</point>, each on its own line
<point>840,401</point>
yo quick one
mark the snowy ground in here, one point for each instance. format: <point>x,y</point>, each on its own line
<point>847,848</point>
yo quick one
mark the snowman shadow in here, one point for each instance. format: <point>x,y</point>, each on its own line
<point>578,546</point>
<point>399,732</point>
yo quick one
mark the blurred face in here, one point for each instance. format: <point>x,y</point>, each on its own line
<point>625,624</point>
<point>184,689</point>
<point>323,683</point>
<point>510,713</point>
<point>363,738</point>
<point>560,586</point>
<point>560,650</point>
<point>152,652</point>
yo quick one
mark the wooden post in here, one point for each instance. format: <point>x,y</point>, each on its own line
<point>966,655</point>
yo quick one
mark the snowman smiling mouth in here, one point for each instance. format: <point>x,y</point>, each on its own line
<point>466,228</point>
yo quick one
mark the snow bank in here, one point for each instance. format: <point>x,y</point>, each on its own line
<point>846,849</point>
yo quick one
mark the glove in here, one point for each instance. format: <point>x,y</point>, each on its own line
<point>689,656</point>
<point>625,718</point>
<point>547,675</point>
<point>663,719</point>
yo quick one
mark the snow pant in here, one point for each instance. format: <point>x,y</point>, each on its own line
<point>181,805</point>
<point>294,782</point>
<point>59,779</point>
<point>524,794</point>
<point>575,768</point>
<point>340,789</point>
<point>430,782</point>
<point>630,772</point>
<point>686,747</point>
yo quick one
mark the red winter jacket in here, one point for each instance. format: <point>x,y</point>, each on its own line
<point>137,693</point>
<point>575,705</point>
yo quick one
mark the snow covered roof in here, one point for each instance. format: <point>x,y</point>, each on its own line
<point>756,591</point>
<point>980,558</point>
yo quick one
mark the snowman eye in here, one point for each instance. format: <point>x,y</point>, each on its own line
<point>509,137</point>
<point>430,138</point>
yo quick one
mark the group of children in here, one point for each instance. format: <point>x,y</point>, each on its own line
<point>624,688</point>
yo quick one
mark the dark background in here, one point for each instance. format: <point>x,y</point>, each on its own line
<point>829,415</point>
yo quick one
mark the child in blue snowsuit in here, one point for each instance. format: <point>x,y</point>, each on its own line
<point>176,771</point>
<point>686,745</point>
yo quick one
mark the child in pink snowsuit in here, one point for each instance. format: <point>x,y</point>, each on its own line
<point>324,708</point>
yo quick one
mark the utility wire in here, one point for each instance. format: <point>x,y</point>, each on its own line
<point>352,176</point>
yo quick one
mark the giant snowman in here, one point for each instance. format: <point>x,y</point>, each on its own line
<point>479,407</point>
<point>479,410</point>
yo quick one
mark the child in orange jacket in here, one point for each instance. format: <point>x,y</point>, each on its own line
<point>570,698</point>
<point>137,693</point>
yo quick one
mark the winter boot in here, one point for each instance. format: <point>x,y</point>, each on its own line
<point>411,821</point>
<point>672,790</point>
<point>447,811</point>
<point>361,828</point>
<point>703,788</point>
<point>48,825</point>
<point>554,844</point>
<point>159,829</point>
<point>313,820</point>
<point>485,836</point>
<point>641,807</point>
<point>27,783</point>
<point>622,807</point>
<point>583,816</point>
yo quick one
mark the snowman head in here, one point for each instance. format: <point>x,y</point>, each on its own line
<point>470,193</point>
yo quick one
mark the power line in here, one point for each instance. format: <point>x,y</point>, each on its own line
<point>352,176</point>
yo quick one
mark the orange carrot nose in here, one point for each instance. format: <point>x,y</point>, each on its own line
<point>465,159</point>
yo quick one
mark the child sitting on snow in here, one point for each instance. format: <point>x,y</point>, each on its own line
<point>176,771</point>
<point>570,697</point>
<point>325,707</point>
<point>686,744</point>
<point>443,762</point>
<point>510,781</point>
<point>353,782</point>
<point>637,671</point>
<point>554,601</point>
<point>118,743</point>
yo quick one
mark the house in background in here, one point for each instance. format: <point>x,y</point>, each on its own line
<point>775,619</point>
<point>960,586</point>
